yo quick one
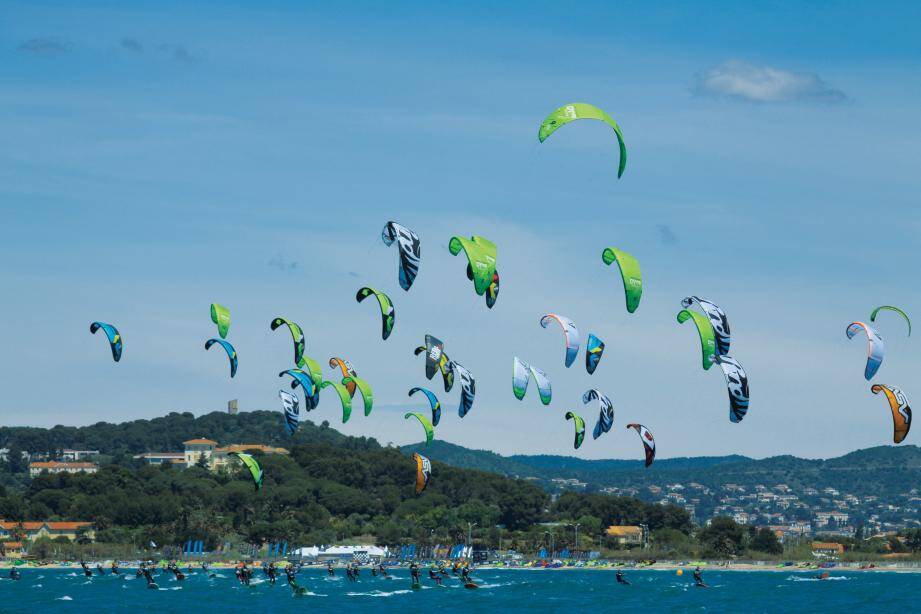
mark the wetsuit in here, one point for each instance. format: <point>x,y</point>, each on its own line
<point>150,581</point>
<point>14,574</point>
<point>381,569</point>
<point>620,578</point>
<point>329,569</point>
<point>454,568</point>
<point>465,574</point>
<point>355,570</point>
<point>698,578</point>
<point>86,570</point>
<point>435,576</point>
<point>271,572</point>
<point>414,572</point>
<point>115,570</point>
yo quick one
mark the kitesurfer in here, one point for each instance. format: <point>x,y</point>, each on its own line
<point>115,570</point>
<point>465,574</point>
<point>14,574</point>
<point>620,578</point>
<point>349,574</point>
<point>270,571</point>
<point>414,572</point>
<point>698,578</point>
<point>355,570</point>
<point>329,569</point>
<point>455,568</point>
<point>434,575</point>
<point>382,570</point>
<point>86,569</point>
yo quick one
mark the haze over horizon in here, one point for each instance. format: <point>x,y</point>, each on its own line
<point>158,161</point>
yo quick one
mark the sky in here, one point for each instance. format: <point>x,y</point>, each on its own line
<point>158,157</point>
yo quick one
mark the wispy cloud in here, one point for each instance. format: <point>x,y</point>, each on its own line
<point>131,44</point>
<point>282,263</point>
<point>743,81</point>
<point>178,53</point>
<point>667,236</point>
<point>46,46</point>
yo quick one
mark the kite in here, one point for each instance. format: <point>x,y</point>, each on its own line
<point>423,471</point>
<point>289,403</point>
<point>895,309</point>
<point>344,398</point>
<point>582,110</point>
<point>579,425</point>
<point>649,444</point>
<point>481,267</point>
<point>425,422</point>
<point>388,313</point>
<point>297,335</point>
<point>570,333</point>
<point>630,275</point>
<point>253,466</point>
<point>876,349</point>
<point>705,332</point>
<point>410,251</point>
<point>736,384</point>
<point>231,353</point>
<point>347,370</point>
<point>308,385</point>
<point>717,319</point>
<point>468,388</point>
<point>434,403</point>
<point>594,348</point>
<point>435,360</point>
<point>901,411</point>
<point>605,411</point>
<point>366,396</point>
<point>521,375</point>
<point>115,339</point>
<point>220,315</point>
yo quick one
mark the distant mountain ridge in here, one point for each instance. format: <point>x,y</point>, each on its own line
<point>864,472</point>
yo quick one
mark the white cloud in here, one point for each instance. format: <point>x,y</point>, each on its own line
<point>744,81</point>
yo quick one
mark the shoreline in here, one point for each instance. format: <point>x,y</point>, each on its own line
<point>668,566</point>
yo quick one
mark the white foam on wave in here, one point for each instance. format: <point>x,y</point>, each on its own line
<point>65,598</point>
<point>380,593</point>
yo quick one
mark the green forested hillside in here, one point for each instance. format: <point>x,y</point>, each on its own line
<point>330,488</point>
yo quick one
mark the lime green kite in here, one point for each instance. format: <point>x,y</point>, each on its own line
<point>629,272</point>
<point>481,261</point>
<point>362,386</point>
<point>707,336</point>
<point>344,398</point>
<point>220,315</point>
<point>425,422</point>
<point>891,308</point>
<point>581,110</point>
<point>297,335</point>
<point>253,466</point>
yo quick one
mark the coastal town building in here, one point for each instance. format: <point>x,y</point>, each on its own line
<point>78,455</point>
<point>39,467</point>
<point>626,535</point>
<point>827,549</point>
<point>215,457</point>
<point>32,530</point>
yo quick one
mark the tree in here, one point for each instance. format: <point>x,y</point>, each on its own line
<point>766,541</point>
<point>723,536</point>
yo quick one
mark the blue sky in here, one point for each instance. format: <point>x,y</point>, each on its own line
<point>161,156</point>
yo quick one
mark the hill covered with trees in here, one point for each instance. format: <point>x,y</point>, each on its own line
<point>331,488</point>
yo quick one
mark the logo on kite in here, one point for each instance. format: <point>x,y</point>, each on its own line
<point>901,411</point>
<point>423,472</point>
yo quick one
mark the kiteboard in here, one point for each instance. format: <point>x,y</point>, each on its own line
<point>154,586</point>
<point>416,586</point>
<point>471,585</point>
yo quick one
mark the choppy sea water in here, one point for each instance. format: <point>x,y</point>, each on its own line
<point>500,591</point>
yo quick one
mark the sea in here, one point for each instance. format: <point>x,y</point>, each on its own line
<point>504,590</point>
